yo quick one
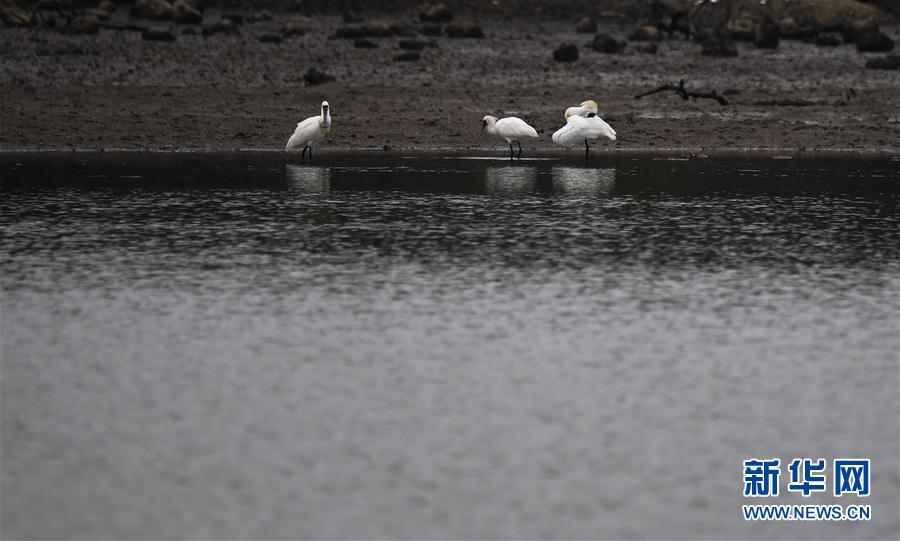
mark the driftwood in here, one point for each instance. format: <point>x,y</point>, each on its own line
<point>684,93</point>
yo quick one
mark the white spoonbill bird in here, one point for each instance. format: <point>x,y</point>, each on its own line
<point>586,109</point>
<point>312,130</point>
<point>510,128</point>
<point>581,128</point>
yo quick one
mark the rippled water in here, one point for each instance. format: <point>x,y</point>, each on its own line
<point>238,346</point>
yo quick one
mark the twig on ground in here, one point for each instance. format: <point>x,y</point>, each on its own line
<point>684,93</point>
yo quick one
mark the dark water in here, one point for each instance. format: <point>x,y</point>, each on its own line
<point>426,347</point>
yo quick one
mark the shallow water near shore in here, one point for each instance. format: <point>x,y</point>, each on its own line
<point>420,346</point>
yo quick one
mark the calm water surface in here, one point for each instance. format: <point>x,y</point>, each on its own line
<point>238,346</point>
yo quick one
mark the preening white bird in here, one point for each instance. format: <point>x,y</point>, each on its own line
<point>581,128</point>
<point>585,109</point>
<point>312,130</point>
<point>511,128</point>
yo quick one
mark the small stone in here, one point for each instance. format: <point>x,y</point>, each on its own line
<point>719,47</point>
<point>351,17</point>
<point>270,38</point>
<point>224,26</point>
<point>874,41</point>
<point>435,13</point>
<point>431,30</point>
<point>464,29</point>
<point>292,29</point>
<point>185,13</point>
<point>853,29</point>
<point>363,43</point>
<point>607,43</point>
<point>260,16</point>
<point>648,48</point>
<point>158,10</point>
<point>417,44</point>
<point>567,52</point>
<point>587,25</point>
<point>157,34</point>
<point>766,34</point>
<point>13,15</point>
<point>85,24</point>
<point>410,56</point>
<point>99,13</point>
<point>645,33</point>
<point>828,40</point>
<point>236,18</point>
<point>889,62</point>
<point>315,76</point>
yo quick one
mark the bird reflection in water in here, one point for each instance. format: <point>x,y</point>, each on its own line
<point>308,179</point>
<point>511,180</point>
<point>584,181</point>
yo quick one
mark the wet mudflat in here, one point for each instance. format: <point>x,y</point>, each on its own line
<point>238,346</point>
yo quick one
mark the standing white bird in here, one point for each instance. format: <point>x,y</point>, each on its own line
<point>312,130</point>
<point>511,128</point>
<point>582,123</point>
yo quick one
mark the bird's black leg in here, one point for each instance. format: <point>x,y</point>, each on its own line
<point>510,151</point>
<point>520,150</point>
<point>586,150</point>
<point>302,156</point>
<point>310,155</point>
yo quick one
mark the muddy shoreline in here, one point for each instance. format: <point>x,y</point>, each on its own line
<point>114,90</point>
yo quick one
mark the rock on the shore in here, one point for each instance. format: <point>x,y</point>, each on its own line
<point>587,25</point>
<point>567,52</point>
<point>431,30</point>
<point>648,48</point>
<point>351,17</point>
<point>607,43</point>
<point>889,62</point>
<point>158,10</point>
<point>186,13</point>
<point>463,29</point>
<point>100,14</point>
<point>874,41</point>
<point>828,40</point>
<point>766,34</point>
<point>852,30</point>
<point>720,47</point>
<point>417,44</point>
<point>14,15</point>
<point>435,13</point>
<point>157,34</point>
<point>292,29</point>
<point>225,26</point>
<point>645,33</point>
<point>409,56</point>
<point>85,24</point>
<point>270,38</point>
<point>363,43</point>
<point>315,76</point>
<point>377,29</point>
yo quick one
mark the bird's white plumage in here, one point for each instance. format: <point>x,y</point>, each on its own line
<point>312,130</point>
<point>510,128</point>
<point>579,128</point>
<point>307,132</point>
<point>513,128</point>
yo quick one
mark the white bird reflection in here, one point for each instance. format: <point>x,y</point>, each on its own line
<point>584,181</point>
<point>511,180</point>
<point>308,179</point>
